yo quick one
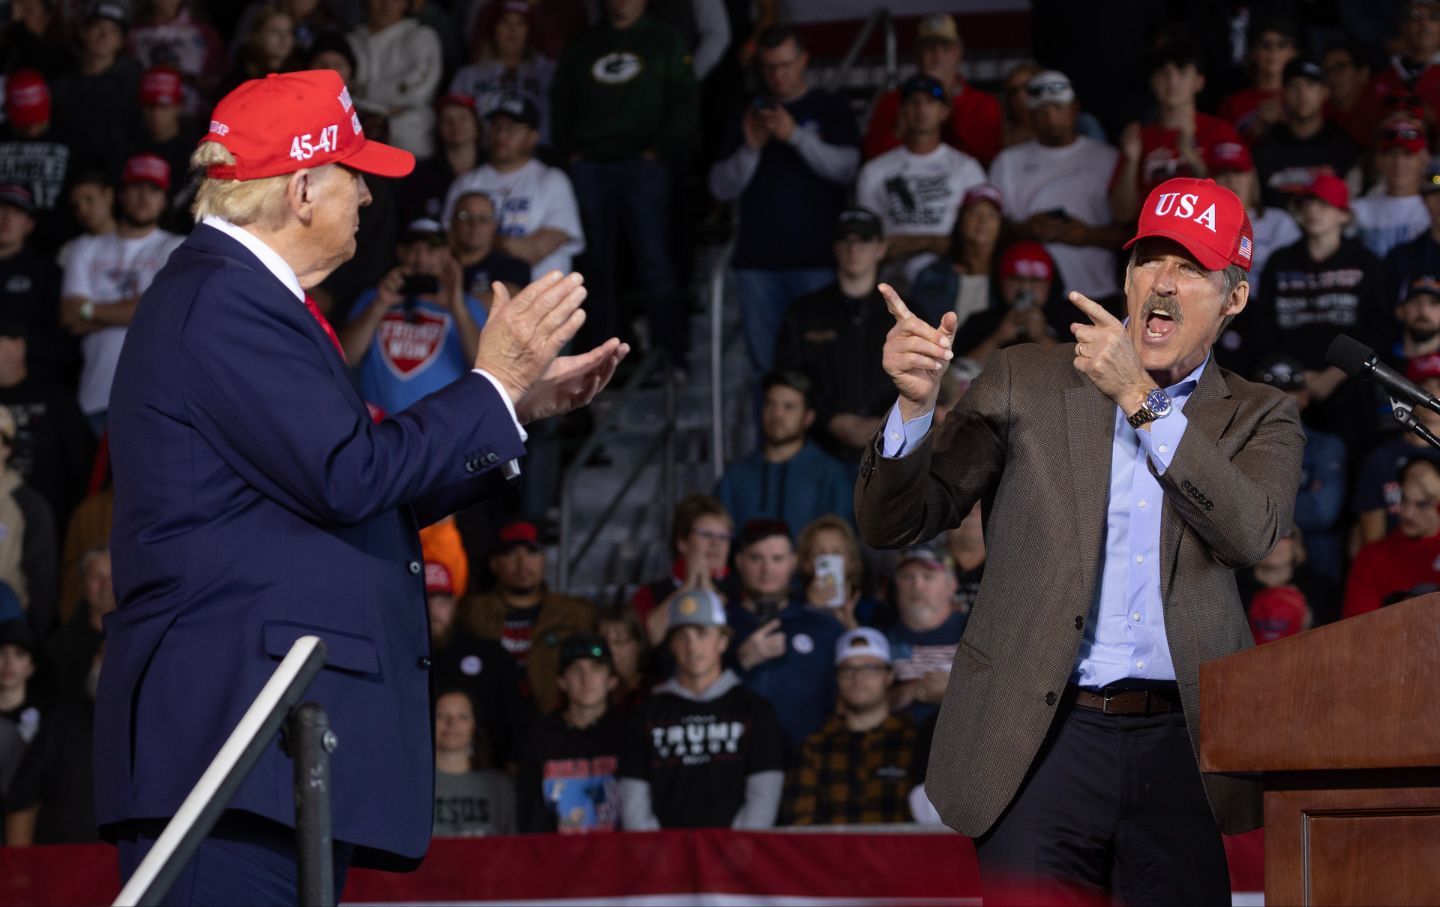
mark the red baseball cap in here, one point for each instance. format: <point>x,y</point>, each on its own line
<point>1027,258</point>
<point>1401,133</point>
<point>161,85</point>
<point>1204,217</point>
<point>983,192</point>
<point>288,121</point>
<point>1277,613</point>
<point>456,99</point>
<point>1230,157</point>
<point>147,168</point>
<point>1329,188</point>
<point>1423,368</point>
<point>519,533</point>
<point>438,579</point>
<point>27,98</point>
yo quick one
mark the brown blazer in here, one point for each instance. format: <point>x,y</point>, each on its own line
<point>561,616</point>
<point>1032,438</point>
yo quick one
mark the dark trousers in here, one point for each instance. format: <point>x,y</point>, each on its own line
<point>634,197</point>
<point>244,860</point>
<point>1112,811</point>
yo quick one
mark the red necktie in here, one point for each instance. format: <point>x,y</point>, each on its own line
<point>325,323</point>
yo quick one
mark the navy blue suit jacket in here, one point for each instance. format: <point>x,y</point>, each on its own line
<point>256,502</point>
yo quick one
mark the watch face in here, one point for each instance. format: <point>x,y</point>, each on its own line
<point>1158,402</point>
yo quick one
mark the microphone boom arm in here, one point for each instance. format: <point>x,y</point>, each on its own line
<point>1404,413</point>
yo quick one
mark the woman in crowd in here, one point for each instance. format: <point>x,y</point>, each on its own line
<point>701,544</point>
<point>505,64</point>
<point>470,800</point>
<point>398,67</point>
<point>630,655</point>
<point>269,46</point>
<point>831,536</point>
<point>966,283</point>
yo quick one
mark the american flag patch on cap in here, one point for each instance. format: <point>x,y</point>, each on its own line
<point>1244,250</point>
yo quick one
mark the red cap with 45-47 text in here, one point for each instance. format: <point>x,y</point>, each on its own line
<point>288,121</point>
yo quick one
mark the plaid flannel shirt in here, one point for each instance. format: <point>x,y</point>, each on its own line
<point>846,777</point>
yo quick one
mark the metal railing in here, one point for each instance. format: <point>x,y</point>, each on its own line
<point>310,742</point>
<point>880,16</point>
<point>570,554</point>
<point>716,288</point>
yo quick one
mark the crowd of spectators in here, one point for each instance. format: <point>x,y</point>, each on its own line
<point>779,672</point>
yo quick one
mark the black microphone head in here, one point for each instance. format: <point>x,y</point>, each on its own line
<point>1348,354</point>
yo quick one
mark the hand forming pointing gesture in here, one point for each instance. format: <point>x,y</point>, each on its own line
<point>916,355</point>
<point>1106,355</point>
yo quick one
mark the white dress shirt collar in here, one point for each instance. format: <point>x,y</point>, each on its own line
<point>268,256</point>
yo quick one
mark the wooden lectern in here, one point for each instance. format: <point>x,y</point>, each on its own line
<point>1343,725</point>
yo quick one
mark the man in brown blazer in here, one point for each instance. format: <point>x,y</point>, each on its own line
<point>1124,478</point>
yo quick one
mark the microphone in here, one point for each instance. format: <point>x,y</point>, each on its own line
<point>1359,361</point>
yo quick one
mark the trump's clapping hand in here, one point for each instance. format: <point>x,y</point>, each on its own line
<point>571,382</point>
<point>524,333</point>
<point>916,355</point>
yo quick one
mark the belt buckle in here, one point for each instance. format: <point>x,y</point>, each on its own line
<point>1105,706</point>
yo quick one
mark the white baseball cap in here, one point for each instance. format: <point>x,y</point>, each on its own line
<point>862,641</point>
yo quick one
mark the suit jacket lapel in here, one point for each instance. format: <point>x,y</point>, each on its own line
<point>1090,418</point>
<point>1209,410</point>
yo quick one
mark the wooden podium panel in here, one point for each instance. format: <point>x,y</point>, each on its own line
<point>1353,838</point>
<point>1343,722</point>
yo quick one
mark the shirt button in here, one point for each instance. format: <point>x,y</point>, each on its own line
<point>1140,665</point>
<point>1164,449</point>
<point>894,436</point>
<point>1135,616</point>
<point>1139,558</point>
<point>415,567</point>
<point>1142,505</point>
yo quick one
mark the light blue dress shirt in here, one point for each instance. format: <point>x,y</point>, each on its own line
<point>1125,633</point>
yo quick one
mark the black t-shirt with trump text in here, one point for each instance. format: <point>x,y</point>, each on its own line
<point>697,755</point>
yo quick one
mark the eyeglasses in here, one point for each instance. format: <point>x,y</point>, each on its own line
<point>465,217</point>
<point>854,670</point>
<point>711,535</point>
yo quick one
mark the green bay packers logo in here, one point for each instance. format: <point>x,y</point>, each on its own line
<point>617,68</point>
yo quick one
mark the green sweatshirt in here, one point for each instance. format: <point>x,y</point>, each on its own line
<point>617,94</point>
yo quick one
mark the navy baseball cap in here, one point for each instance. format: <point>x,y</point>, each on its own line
<point>861,222</point>
<point>922,84</point>
<point>518,108</point>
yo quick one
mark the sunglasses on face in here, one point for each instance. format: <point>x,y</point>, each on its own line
<point>1047,89</point>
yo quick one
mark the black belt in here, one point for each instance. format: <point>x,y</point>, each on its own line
<point>1111,701</point>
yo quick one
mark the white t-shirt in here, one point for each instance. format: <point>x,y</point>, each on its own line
<point>105,270</point>
<point>917,194</point>
<point>1034,178</point>
<point>1386,221</point>
<point>527,200</point>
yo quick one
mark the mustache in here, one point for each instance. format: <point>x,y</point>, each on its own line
<point>1165,305</point>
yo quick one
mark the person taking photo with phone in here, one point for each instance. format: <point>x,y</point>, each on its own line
<point>782,646</point>
<point>418,330</point>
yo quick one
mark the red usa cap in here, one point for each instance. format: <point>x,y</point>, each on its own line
<point>1027,258</point>
<point>286,121</point>
<point>1207,219</point>
<point>161,86</point>
<point>438,579</point>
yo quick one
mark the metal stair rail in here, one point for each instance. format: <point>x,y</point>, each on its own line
<point>661,442</point>
<point>881,17</point>
<point>310,742</point>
